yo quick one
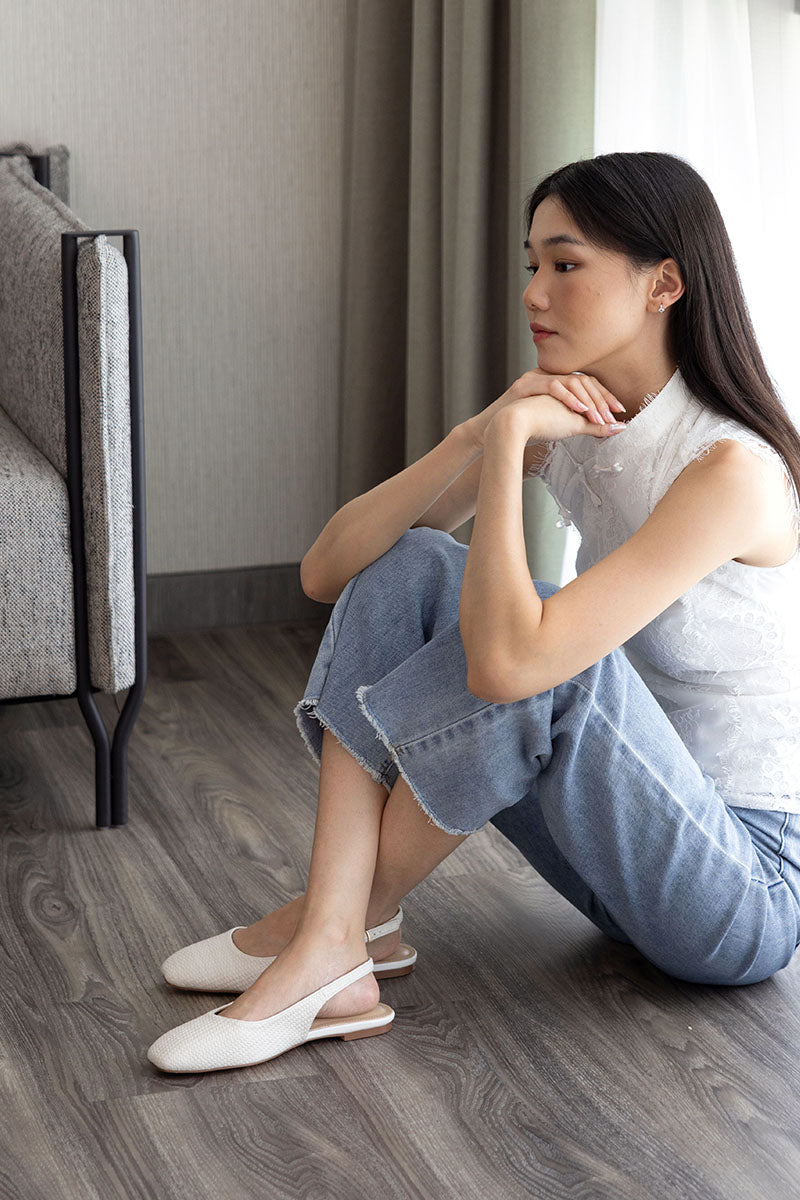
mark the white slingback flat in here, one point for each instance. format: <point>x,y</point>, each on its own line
<point>215,1043</point>
<point>216,964</point>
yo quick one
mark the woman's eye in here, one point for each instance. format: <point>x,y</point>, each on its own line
<point>533,270</point>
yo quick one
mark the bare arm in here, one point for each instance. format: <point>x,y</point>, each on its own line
<point>541,643</point>
<point>458,503</point>
<point>369,525</point>
<point>440,490</point>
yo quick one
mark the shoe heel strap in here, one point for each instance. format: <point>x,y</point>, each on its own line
<point>387,927</point>
<point>338,985</point>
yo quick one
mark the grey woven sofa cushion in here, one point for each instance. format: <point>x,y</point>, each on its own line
<point>37,647</point>
<point>58,156</point>
<point>32,220</point>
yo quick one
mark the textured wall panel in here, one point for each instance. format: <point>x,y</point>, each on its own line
<point>215,130</point>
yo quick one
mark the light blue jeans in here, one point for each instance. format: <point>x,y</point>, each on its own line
<point>589,780</point>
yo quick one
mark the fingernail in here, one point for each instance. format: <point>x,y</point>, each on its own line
<point>582,407</point>
<point>615,425</point>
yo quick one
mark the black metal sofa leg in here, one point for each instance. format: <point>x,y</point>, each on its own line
<point>110,762</point>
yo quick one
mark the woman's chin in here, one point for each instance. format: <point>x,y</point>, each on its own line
<point>556,362</point>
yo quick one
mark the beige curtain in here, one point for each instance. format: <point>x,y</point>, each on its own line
<point>455,110</point>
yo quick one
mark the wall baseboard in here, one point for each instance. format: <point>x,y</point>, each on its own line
<point>199,600</point>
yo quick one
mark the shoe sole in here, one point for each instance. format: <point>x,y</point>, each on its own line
<point>393,974</point>
<point>322,1028</point>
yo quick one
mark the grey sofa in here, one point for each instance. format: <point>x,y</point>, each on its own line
<point>72,558</point>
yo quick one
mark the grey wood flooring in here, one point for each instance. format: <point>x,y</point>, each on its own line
<point>530,1055</point>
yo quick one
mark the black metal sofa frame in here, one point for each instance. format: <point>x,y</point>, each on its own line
<point>111,790</point>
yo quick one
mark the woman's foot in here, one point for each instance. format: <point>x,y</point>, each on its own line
<point>274,931</point>
<point>299,969</point>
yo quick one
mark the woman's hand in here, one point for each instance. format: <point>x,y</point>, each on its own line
<point>546,419</point>
<point>560,406</point>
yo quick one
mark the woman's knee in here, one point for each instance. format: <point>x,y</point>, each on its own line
<point>422,544</point>
<point>423,538</point>
<point>429,560</point>
<point>544,588</point>
<point>421,572</point>
<point>415,544</point>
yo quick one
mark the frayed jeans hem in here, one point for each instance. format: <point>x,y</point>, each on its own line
<point>384,737</point>
<point>308,707</point>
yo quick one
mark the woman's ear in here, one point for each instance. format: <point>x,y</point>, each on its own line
<point>668,285</point>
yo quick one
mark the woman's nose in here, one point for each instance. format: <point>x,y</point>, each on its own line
<point>533,297</point>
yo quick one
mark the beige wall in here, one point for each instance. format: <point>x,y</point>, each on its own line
<point>215,130</point>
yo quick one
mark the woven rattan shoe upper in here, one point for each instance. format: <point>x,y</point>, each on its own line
<point>214,964</point>
<point>212,1042</point>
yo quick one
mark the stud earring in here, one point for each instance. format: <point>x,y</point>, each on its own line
<point>661,308</point>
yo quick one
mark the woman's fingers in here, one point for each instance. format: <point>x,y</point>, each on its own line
<point>575,396</point>
<point>605,401</point>
<point>583,394</point>
<point>608,397</point>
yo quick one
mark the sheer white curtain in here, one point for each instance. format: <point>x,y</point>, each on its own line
<point>718,83</point>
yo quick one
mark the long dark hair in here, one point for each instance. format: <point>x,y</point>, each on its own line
<point>651,206</point>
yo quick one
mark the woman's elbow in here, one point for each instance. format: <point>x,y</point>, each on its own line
<point>499,686</point>
<point>495,688</point>
<point>479,689</point>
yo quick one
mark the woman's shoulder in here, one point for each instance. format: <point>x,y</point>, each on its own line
<point>769,488</point>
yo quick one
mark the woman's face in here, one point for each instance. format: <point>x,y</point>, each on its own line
<point>588,296</point>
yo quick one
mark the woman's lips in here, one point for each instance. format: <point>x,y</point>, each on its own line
<point>539,335</point>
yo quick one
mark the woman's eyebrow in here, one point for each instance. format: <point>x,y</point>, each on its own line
<point>555,240</point>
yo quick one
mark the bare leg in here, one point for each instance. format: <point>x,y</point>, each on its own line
<point>410,847</point>
<point>338,904</point>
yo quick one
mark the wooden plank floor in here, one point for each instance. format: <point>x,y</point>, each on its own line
<point>530,1055</point>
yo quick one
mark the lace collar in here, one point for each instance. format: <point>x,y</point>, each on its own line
<point>595,456</point>
<point>658,406</point>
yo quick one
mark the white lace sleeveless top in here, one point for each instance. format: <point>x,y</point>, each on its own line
<point>723,661</point>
